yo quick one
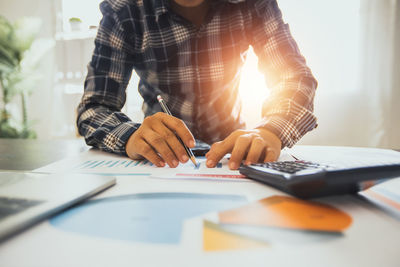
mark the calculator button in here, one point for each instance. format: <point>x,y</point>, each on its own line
<point>290,167</point>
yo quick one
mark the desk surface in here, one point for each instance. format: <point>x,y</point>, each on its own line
<point>27,155</point>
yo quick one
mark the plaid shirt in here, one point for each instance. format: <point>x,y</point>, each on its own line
<point>196,70</point>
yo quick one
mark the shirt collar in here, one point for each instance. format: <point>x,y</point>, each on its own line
<point>161,6</point>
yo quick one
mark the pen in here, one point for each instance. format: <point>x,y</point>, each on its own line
<point>166,110</point>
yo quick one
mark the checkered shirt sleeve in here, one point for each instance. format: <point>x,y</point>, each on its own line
<point>288,110</point>
<point>100,119</point>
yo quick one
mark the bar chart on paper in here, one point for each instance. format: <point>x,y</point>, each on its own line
<point>115,167</point>
<point>127,164</point>
<point>221,172</point>
<point>112,164</point>
<point>96,162</point>
<point>189,172</point>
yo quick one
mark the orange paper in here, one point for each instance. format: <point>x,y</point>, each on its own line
<point>288,212</point>
<point>217,239</point>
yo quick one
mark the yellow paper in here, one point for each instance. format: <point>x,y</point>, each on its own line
<point>217,239</point>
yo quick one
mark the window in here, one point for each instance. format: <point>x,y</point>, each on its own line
<point>328,35</point>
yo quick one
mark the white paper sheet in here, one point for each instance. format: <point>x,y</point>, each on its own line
<point>386,195</point>
<point>221,172</point>
<point>98,162</point>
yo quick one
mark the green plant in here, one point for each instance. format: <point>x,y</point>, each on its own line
<point>20,55</point>
<point>73,19</point>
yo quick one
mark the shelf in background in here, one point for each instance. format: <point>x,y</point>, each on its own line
<point>76,35</point>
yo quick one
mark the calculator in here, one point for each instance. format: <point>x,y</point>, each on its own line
<point>306,179</point>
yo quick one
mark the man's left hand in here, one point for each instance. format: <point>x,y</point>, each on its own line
<point>252,146</point>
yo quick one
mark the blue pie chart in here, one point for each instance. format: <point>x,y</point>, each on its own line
<point>147,218</point>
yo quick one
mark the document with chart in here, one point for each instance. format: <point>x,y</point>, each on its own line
<point>97,162</point>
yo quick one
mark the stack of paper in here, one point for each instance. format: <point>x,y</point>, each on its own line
<point>386,195</point>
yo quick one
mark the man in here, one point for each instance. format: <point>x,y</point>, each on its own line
<point>191,52</point>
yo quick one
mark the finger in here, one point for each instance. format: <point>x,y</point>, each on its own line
<point>172,141</point>
<point>242,145</point>
<point>160,145</point>
<point>256,149</point>
<point>218,150</point>
<point>271,156</point>
<point>179,127</point>
<point>148,153</point>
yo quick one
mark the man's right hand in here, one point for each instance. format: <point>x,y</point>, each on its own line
<point>156,141</point>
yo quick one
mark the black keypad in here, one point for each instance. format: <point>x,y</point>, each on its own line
<point>289,166</point>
